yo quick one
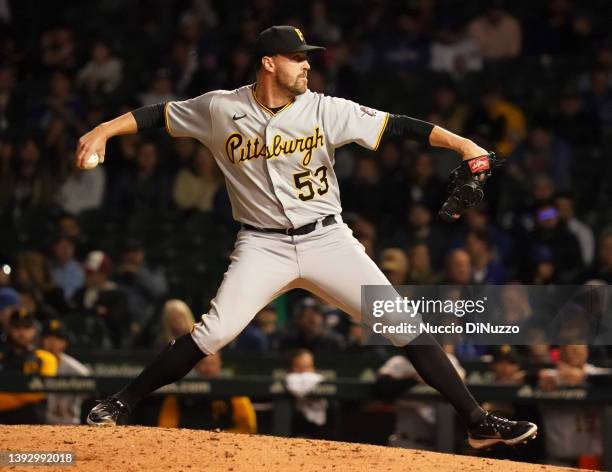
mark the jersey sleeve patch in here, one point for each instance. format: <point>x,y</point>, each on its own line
<point>348,122</point>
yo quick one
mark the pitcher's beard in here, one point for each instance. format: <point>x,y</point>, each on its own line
<point>296,88</point>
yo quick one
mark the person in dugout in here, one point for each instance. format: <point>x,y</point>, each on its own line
<point>234,414</point>
<point>19,355</point>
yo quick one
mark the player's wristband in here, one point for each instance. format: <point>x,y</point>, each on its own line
<point>149,117</point>
<point>405,126</point>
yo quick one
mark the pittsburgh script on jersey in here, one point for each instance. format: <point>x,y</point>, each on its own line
<point>239,149</point>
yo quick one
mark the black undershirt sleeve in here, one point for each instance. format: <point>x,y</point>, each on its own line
<point>149,117</point>
<point>407,127</point>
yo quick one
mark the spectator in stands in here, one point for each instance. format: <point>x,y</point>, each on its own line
<point>395,265</point>
<point>20,356</point>
<point>9,301</point>
<point>144,189</point>
<point>482,126</point>
<point>541,193</point>
<point>176,319</point>
<point>552,234</point>
<point>404,49</point>
<point>103,72</point>
<point>415,422</point>
<point>66,272</point>
<point>603,59</point>
<point>32,277</point>
<point>538,350</point>
<point>478,219</point>
<point>7,175</point>
<point>195,187</point>
<point>459,269</point>
<point>11,104</point>
<point>160,89</point>
<point>565,205</point>
<point>424,186</point>
<point>507,117</point>
<point>70,227</point>
<point>545,153</point>
<point>393,182</point>
<point>62,104</point>
<point>363,192</point>
<point>261,335</point>
<point>598,95</point>
<point>181,156</point>
<point>239,71</point>
<point>571,431</point>
<point>515,305</point>
<point>354,337</point>
<point>420,265</point>
<point>553,36</point>
<point>542,269</point>
<point>190,25</point>
<point>144,287</point>
<point>34,186</point>
<point>578,126</point>
<point>506,366</point>
<point>453,52</point>
<point>125,153</point>
<point>58,49</point>
<point>234,414</point>
<point>420,229</point>
<point>448,111</point>
<point>183,68</point>
<point>62,408</point>
<point>309,331</point>
<point>602,266</point>
<point>101,317</point>
<point>322,28</point>
<point>497,33</point>
<point>486,269</point>
<point>81,189</point>
<point>310,415</point>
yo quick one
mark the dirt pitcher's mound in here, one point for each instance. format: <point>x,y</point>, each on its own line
<point>130,448</point>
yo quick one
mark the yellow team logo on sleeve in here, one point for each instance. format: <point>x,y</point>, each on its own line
<point>300,35</point>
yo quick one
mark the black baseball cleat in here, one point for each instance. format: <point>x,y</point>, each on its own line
<point>494,429</point>
<point>109,412</point>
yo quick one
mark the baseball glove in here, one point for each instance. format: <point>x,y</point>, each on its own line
<point>466,187</point>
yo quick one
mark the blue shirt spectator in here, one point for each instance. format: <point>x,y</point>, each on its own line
<point>66,272</point>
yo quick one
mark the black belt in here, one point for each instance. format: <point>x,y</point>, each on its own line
<point>309,228</point>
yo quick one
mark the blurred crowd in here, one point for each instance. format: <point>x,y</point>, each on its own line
<point>122,256</point>
<point>104,249</point>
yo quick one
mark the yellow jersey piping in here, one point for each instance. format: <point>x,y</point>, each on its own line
<point>166,122</point>
<point>265,107</point>
<point>382,130</point>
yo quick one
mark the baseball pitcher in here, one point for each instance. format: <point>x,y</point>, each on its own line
<point>274,141</point>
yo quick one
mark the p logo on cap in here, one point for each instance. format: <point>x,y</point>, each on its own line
<point>300,35</point>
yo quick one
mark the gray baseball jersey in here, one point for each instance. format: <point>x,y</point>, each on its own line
<point>278,167</point>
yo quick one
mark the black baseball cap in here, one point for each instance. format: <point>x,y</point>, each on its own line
<point>21,318</point>
<point>56,328</point>
<point>506,353</point>
<point>282,40</point>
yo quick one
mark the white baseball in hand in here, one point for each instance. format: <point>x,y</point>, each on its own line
<point>92,161</point>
